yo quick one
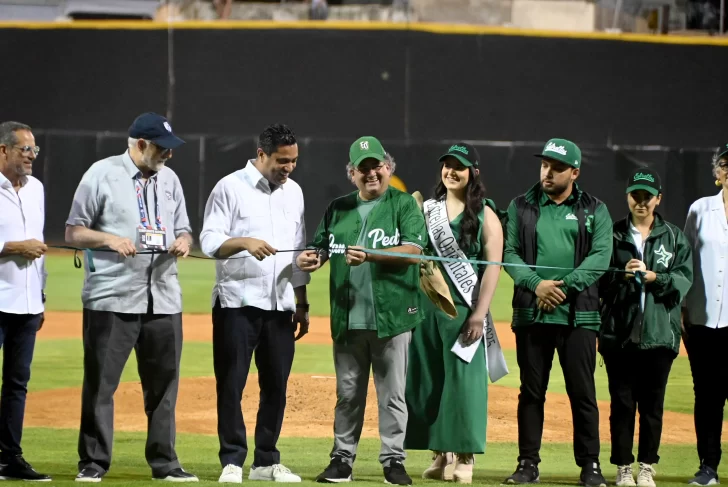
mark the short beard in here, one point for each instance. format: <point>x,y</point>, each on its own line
<point>555,190</point>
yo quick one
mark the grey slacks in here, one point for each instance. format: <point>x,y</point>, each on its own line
<point>108,339</point>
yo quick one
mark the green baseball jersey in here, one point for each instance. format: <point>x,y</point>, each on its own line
<point>361,293</point>
<point>395,220</point>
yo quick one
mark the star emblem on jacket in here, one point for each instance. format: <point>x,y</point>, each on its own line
<point>664,255</point>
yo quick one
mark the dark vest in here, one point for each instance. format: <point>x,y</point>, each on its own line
<point>528,214</point>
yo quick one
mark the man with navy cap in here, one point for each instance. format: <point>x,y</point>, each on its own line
<point>126,204</point>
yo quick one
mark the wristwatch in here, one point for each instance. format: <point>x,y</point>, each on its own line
<point>43,296</point>
<point>303,306</point>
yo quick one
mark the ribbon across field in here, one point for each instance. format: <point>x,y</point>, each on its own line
<point>639,275</point>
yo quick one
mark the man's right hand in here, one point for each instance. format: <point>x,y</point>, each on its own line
<point>258,248</point>
<point>32,249</point>
<point>308,261</point>
<point>550,293</point>
<point>123,246</point>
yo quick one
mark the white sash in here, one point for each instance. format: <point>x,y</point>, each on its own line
<point>466,282</point>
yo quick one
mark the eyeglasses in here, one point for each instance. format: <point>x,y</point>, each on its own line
<point>26,148</point>
<point>162,151</point>
<point>723,165</point>
<point>367,170</point>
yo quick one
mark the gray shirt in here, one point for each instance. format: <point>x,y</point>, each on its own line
<point>106,201</point>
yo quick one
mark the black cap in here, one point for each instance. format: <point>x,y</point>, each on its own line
<point>465,153</point>
<point>154,128</point>
<point>646,179</point>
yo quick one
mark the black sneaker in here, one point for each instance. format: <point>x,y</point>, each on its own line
<point>395,474</point>
<point>337,472</point>
<point>591,476</point>
<point>705,476</point>
<point>16,468</point>
<point>176,475</point>
<point>526,473</point>
<point>89,474</point>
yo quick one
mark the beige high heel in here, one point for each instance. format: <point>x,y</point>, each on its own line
<point>443,464</point>
<point>463,472</point>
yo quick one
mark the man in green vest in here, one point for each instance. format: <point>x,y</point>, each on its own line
<point>375,304</point>
<point>556,224</point>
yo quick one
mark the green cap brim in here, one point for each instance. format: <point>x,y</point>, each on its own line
<point>649,189</point>
<point>552,158</point>
<point>460,158</point>
<point>721,154</point>
<point>370,155</point>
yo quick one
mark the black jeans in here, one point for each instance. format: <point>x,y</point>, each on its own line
<point>705,347</point>
<point>237,335</point>
<point>577,348</point>
<point>17,337</point>
<point>637,382</point>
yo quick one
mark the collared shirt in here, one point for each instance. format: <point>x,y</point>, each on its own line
<point>706,228</point>
<point>243,204</point>
<point>22,216</point>
<point>106,201</point>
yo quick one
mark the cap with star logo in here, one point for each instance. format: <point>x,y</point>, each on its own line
<point>644,178</point>
<point>561,150</point>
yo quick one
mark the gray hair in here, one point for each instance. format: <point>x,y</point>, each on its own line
<point>7,132</point>
<point>388,160</point>
<point>716,162</point>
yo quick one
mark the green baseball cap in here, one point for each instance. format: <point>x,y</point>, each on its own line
<point>722,151</point>
<point>465,153</point>
<point>646,179</point>
<point>365,148</point>
<point>562,150</point>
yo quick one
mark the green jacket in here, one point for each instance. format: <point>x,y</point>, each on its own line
<point>395,221</point>
<point>576,235</point>
<point>624,324</point>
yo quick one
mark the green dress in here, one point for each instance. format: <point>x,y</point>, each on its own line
<point>447,398</point>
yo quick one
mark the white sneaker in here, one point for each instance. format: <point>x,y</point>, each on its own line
<point>275,473</point>
<point>625,477</point>
<point>645,477</point>
<point>231,474</point>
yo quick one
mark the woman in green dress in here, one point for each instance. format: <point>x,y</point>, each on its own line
<point>446,395</point>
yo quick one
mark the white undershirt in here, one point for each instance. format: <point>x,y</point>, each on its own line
<point>640,244</point>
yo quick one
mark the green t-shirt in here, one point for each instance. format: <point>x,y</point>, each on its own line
<point>361,293</point>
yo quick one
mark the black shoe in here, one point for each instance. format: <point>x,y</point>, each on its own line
<point>16,468</point>
<point>705,476</point>
<point>591,476</point>
<point>176,475</point>
<point>395,474</point>
<point>89,474</point>
<point>526,473</point>
<point>337,472</point>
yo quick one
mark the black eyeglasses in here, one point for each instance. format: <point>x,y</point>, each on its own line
<point>26,148</point>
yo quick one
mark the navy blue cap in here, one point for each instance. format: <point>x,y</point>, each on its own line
<point>154,128</point>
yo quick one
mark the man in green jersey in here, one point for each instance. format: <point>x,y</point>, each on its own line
<point>556,224</point>
<point>374,305</point>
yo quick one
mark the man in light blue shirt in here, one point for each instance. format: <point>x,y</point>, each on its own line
<point>132,300</point>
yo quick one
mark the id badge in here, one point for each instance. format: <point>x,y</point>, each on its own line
<point>152,239</point>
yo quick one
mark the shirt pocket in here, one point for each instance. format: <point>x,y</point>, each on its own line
<point>253,221</point>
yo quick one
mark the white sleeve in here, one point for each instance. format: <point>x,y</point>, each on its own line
<point>217,221</point>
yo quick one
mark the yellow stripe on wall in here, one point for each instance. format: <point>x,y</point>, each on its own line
<point>429,27</point>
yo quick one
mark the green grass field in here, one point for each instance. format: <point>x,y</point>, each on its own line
<point>58,364</point>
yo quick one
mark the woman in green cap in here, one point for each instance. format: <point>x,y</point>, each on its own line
<point>641,323</point>
<point>446,394</point>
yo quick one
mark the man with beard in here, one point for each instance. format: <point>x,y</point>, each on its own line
<point>556,224</point>
<point>131,300</point>
<point>249,216</point>
<point>374,305</point>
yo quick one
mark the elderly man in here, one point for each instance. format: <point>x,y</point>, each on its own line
<point>374,305</point>
<point>132,300</point>
<point>250,214</point>
<point>22,280</point>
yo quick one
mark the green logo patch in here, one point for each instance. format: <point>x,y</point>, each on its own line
<point>644,177</point>
<point>459,148</point>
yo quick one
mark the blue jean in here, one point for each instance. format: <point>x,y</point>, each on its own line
<point>17,338</point>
